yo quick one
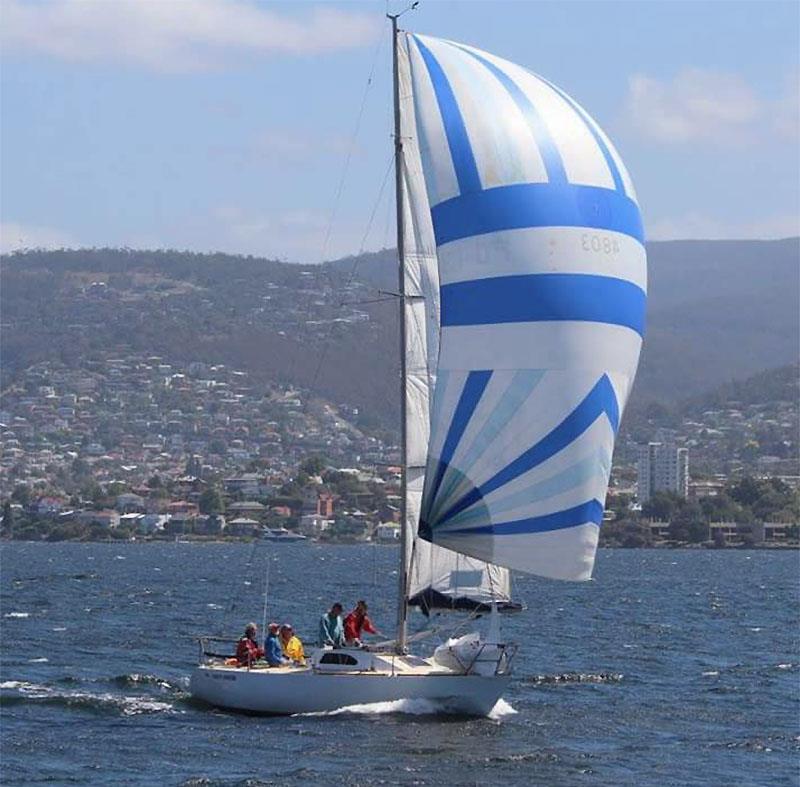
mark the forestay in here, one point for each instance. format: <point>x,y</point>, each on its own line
<point>542,282</point>
<point>438,577</point>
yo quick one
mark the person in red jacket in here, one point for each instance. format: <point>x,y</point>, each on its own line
<point>356,622</point>
<point>247,650</point>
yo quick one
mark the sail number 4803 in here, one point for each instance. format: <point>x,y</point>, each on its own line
<point>599,243</point>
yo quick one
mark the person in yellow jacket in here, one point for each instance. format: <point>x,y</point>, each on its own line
<point>291,644</point>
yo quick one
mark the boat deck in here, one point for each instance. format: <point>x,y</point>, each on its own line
<point>383,666</point>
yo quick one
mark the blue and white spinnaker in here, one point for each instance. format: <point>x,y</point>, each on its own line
<point>541,297</point>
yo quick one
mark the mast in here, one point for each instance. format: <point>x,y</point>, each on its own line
<point>402,603</point>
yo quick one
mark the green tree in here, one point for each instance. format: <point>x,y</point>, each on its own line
<point>217,446</point>
<point>116,488</point>
<point>662,506</point>
<point>91,490</point>
<point>314,465</point>
<point>689,524</point>
<point>722,508</point>
<point>746,491</point>
<point>8,517</point>
<point>21,494</point>
<point>211,501</point>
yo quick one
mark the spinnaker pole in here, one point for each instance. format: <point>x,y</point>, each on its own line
<point>405,543</point>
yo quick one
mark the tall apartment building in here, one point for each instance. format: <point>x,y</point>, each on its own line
<point>663,467</point>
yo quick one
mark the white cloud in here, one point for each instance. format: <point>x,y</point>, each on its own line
<point>14,235</point>
<point>699,226</point>
<point>696,104</point>
<point>298,144</point>
<point>175,35</point>
<point>786,117</point>
<point>294,235</point>
<point>701,105</point>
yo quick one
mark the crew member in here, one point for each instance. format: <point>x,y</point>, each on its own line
<point>331,630</point>
<point>247,650</point>
<point>274,652</point>
<point>291,644</point>
<point>356,622</point>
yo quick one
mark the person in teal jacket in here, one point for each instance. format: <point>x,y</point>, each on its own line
<point>331,629</point>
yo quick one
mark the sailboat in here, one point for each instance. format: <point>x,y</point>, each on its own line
<point>522,290</point>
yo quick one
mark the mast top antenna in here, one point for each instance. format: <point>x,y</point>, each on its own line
<point>404,11</point>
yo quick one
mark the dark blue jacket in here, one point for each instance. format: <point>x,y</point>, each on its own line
<point>274,652</point>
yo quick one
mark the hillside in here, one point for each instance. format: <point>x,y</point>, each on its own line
<point>718,311</point>
<point>269,318</point>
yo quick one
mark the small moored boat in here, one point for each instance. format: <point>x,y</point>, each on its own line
<point>281,535</point>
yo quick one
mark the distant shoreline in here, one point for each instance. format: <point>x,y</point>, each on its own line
<point>344,542</point>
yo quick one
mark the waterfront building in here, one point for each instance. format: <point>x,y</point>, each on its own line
<point>662,467</point>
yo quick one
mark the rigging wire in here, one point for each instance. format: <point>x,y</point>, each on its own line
<point>237,597</point>
<point>351,148</point>
<point>266,601</point>
<point>326,272</point>
<point>326,341</point>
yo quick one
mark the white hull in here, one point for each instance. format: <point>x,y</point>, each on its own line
<point>297,690</point>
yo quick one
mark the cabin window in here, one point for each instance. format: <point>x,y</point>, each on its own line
<point>338,658</point>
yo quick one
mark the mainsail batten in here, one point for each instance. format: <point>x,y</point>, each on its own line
<point>542,291</point>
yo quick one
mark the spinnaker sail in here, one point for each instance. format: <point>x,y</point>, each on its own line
<point>541,296</point>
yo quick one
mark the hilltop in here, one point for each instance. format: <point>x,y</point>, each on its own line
<point>718,311</point>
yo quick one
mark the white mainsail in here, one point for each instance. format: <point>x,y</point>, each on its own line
<point>542,288</point>
<point>436,576</point>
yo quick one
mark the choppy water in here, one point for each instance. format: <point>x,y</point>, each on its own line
<point>672,667</point>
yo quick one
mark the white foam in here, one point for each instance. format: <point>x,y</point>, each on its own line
<point>18,684</point>
<point>132,706</point>
<point>129,706</point>
<point>17,615</point>
<point>501,710</point>
<point>412,707</point>
<point>415,707</point>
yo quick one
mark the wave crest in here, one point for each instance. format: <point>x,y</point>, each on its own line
<point>576,677</point>
<point>19,692</point>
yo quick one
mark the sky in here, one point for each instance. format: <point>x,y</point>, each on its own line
<point>264,128</point>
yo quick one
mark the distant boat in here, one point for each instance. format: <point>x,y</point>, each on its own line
<point>522,278</point>
<point>281,534</point>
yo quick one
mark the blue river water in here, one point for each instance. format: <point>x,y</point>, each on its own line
<point>669,668</point>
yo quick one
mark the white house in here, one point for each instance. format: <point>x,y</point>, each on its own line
<point>387,532</point>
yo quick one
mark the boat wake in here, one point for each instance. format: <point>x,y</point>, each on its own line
<point>411,707</point>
